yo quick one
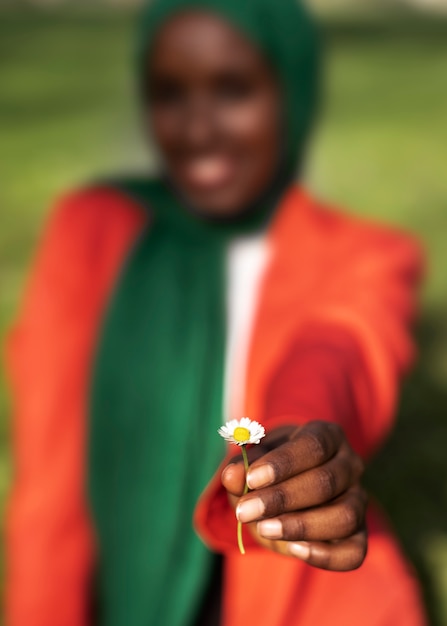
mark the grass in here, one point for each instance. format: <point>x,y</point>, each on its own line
<point>66,116</point>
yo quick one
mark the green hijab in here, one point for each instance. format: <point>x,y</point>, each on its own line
<point>156,393</point>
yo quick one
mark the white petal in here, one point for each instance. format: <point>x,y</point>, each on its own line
<point>256,430</point>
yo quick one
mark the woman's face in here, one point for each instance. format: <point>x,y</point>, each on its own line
<point>215,112</point>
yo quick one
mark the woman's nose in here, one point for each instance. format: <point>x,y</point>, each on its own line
<point>199,130</point>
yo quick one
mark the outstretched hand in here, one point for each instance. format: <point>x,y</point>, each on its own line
<point>305,500</point>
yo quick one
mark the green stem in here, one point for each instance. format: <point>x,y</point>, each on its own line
<point>240,542</point>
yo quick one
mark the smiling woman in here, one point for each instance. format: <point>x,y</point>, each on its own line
<point>216,115</point>
<point>128,340</point>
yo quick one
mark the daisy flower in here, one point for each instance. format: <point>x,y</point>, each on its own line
<point>242,433</point>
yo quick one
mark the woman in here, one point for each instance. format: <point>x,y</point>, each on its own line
<point>160,307</point>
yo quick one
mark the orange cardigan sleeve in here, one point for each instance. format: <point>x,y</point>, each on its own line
<point>49,543</point>
<point>325,377</point>
<point>355,345</point>
<point>346,357</point>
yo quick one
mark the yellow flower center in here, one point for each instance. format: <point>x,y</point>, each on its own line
<point>241,434</point>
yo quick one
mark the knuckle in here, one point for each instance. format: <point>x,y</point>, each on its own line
<point>359,556</point>
<point>327,484</point>
<point>345,468</point>
<point>277,502</point>
<point>352,519</point>
<point>283,465</point>
<point>317,445</point>
<point>337,430</point>
<point>295,433</point>
<point>360,496</point>
<point>320,558</point>
<point>360,549</point>
<point>364,548</point>
<point>296,529</point>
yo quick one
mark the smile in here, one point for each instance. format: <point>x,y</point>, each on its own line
<point>208,172</point>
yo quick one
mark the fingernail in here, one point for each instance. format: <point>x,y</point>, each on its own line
<point>260,476</point>
<point>250,510</point>
<point>301,550</point>
<point>270,528</point>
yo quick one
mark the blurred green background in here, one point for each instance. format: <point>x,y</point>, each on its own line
<point>67,115</point>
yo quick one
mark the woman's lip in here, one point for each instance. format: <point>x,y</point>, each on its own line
<point>208,172</point>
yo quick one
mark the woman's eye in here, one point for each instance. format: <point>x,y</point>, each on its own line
<point>165,93</point>
<point>234,89</point>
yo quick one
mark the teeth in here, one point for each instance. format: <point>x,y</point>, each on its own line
<point>208,170</point>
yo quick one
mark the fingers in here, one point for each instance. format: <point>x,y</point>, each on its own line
<point>342,556</point>
<point>305,496</point>
<point>312,488</point>
<point>233,476</point>
<point>285,452</point>
<point>308,447</point>
<point>344,517</point>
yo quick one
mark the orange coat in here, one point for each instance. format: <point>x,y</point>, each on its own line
<point>330,341</point>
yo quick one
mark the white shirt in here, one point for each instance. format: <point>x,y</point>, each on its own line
<point>246,262</point>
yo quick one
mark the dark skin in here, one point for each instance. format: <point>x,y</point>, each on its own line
<point>215,112</point>
<point>214,106</point>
